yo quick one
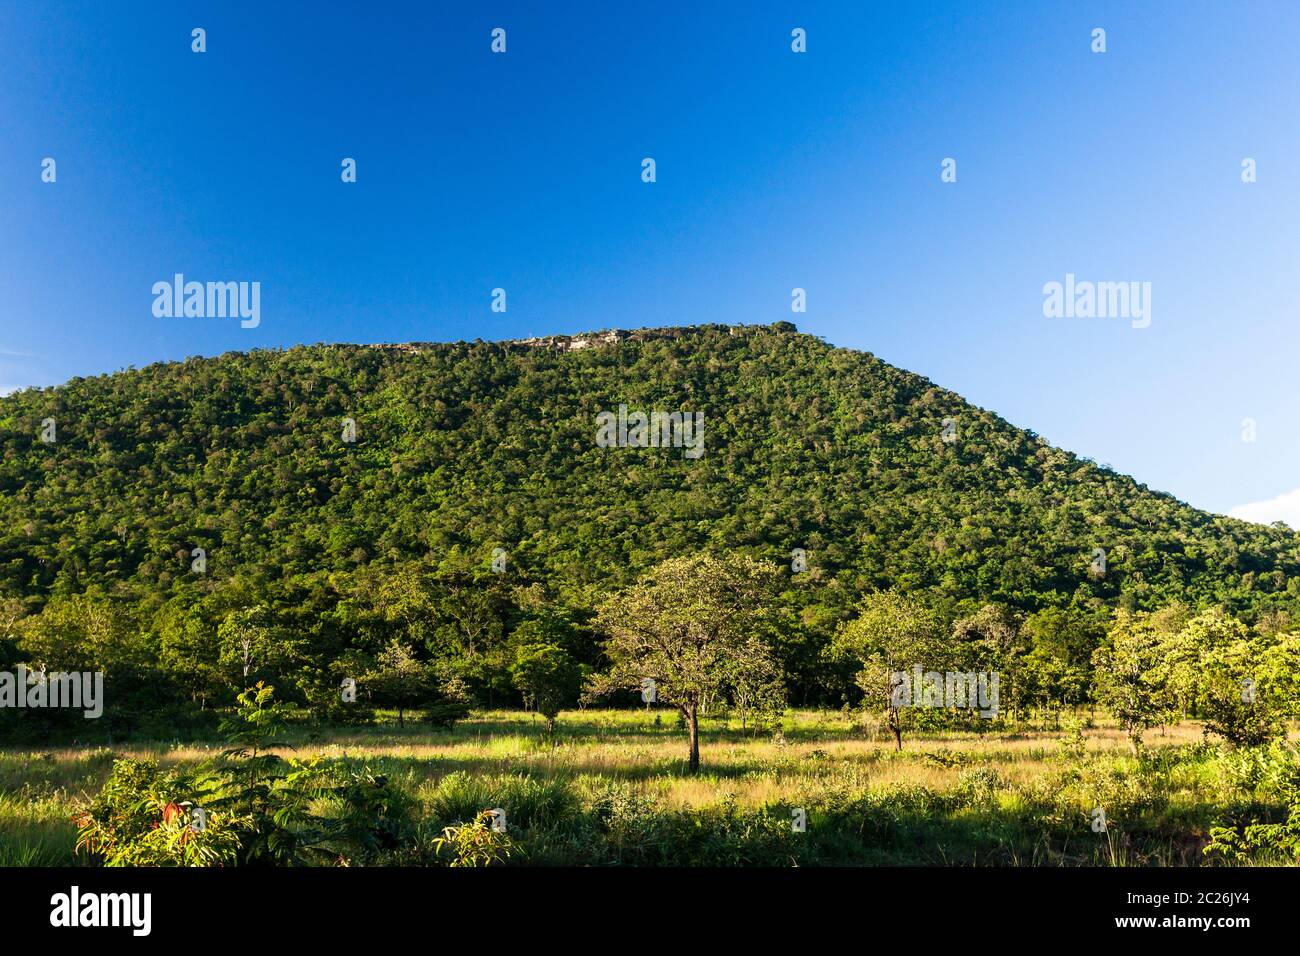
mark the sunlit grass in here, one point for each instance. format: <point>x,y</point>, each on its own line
<point>811,758</point>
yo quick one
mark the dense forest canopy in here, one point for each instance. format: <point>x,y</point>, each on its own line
<point>222,496</point>
<point>466,447</point>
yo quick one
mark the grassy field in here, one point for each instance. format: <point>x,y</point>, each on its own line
<point>613,788</point>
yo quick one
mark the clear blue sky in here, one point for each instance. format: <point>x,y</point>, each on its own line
<point>775,170</point>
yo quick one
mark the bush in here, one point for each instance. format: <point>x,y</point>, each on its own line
<point>259,807</point>
<point>446,714</point>
<point>140,818</point>
<point>474,844</point>
<point>1264,772</point>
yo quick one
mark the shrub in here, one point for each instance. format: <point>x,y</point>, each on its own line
<point>1271,771</point>
<point>140,819</point>
<point>447,713</point>
<point>259,808</point>
<point>474,844</point>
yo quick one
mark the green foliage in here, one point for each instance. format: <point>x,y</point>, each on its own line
<point>1271,771</point>
<point>320,549</point>
<point>692,628</point>
<point>1130,682</point>
<point>399,680</point>
<point>548,678</point>
<point>1234,706</point>
<point>257,807</point>
<point>136,820</point>
<point>446,714</point>
<point>373,819</point>
<point>473,844</point>
<point>993,802</point>
<point>272,795</point>
<point>890,634</point>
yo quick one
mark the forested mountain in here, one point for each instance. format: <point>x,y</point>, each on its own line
<point>464,448</point>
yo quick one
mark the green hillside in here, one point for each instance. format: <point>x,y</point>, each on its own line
<point>462,448</point>
<point>465,448</point>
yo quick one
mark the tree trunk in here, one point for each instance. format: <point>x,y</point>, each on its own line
<point>693,722</point>
<point>896,725</point>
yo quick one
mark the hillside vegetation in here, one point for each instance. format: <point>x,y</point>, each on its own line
<point>464,447</point>
<point>195,526</point>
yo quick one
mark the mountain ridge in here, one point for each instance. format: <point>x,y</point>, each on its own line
<point>808,445</point>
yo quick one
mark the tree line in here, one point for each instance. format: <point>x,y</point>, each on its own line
<point>708,631</point>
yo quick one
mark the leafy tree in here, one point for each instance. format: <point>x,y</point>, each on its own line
<point>1235,707</point>
<point>12,612</point>
<point>1129,681</point>
<point>1279,671</point>
<point>454,695</point>
<point>890,635</point>
<point>689,628</point>
<point>991,640</point>
<point>1185,642</point>
<point>1061,642</point>
<point>86,632</point>
<point>548,678</point>
<point>94,632</point>
<point>399,680</point>
<point>189,650</point>
<point>251,646</point>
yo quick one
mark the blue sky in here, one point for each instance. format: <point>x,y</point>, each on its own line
<point>775,170</point>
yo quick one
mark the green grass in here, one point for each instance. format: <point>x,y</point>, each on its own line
<point>614,788</point>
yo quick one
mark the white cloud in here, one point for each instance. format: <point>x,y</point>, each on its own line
<point>1285,507</point>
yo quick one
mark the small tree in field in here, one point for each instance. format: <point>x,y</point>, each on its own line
<point>1129,679</point>
<point>1185,643</point>
<point>1280,671</point>
<point>400,680</point>
<point>691,627</point>
<point>1236,708</point>
<point>547,677</point>
<point>891,634</point>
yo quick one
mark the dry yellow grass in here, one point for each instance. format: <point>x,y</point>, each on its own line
<point>815,759</point>
<point>814,754</point>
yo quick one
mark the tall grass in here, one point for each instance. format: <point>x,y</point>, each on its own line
<point>614,788</point>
